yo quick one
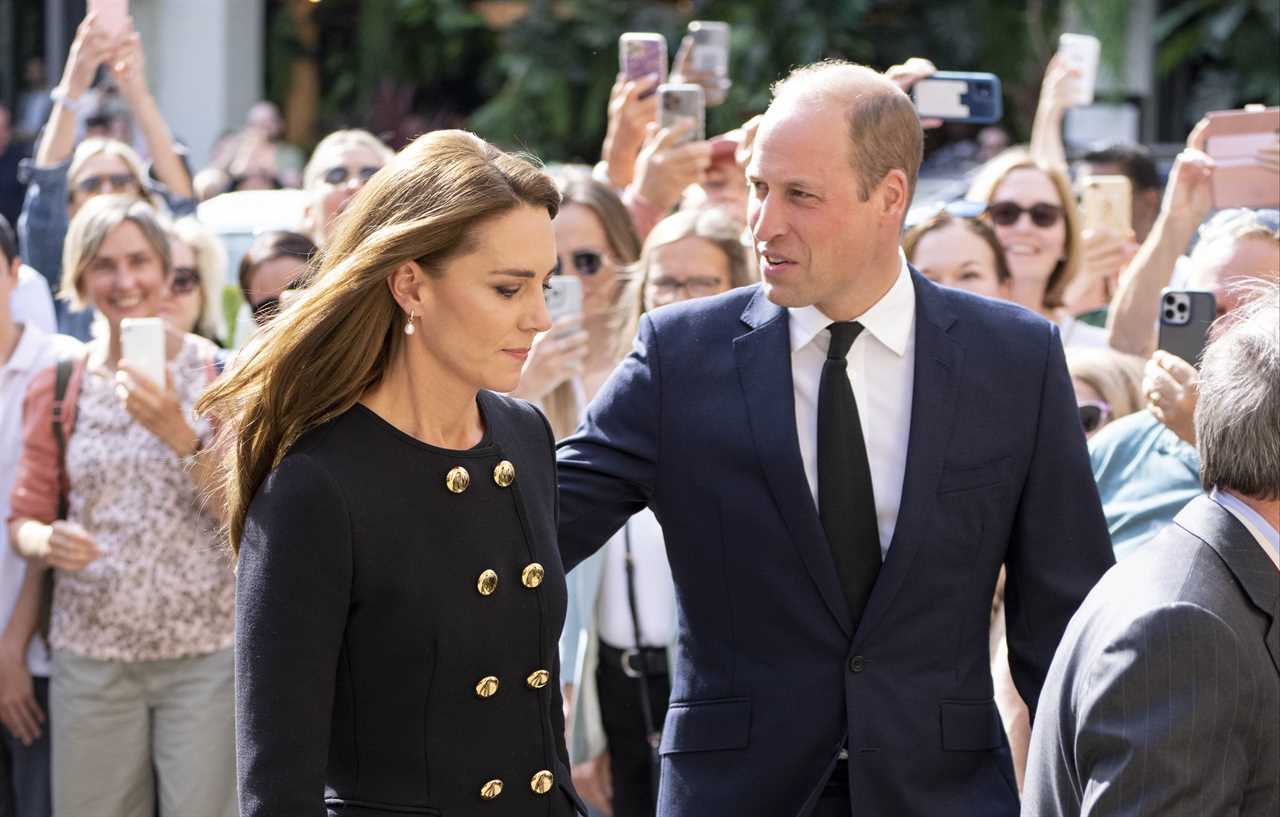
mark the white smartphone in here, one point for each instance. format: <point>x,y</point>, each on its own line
<point>142,344</point>
<point>564,296</point>
<point>679,101</point>
<point>710,47</point>
<point>1081,52</point>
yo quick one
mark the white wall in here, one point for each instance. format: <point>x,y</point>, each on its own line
<point>204,64</point>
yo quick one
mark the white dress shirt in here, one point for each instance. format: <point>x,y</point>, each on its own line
<point>882,371</point>
<point>1267,536</point>
<point>655,589</point>
<point>30,301</point>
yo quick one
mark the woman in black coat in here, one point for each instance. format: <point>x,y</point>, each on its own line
<point>399,590</point>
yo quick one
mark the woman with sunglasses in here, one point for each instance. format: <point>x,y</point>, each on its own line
<point>194,304</point>
<point>65,176</point>
<point>1108,385</point>
<point>595,240</point>
<point>337,170</point>
<point>275,262</point>
<point>1032,210</point>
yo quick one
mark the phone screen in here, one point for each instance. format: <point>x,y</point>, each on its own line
<point>641,55</point>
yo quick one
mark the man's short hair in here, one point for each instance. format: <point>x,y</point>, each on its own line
<point>1134,160</point>
<point>884,129</point>
<point>8,243</point>
<point>1238,410</point>
<point>1237,224</point>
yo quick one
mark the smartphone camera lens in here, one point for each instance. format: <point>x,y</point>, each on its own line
<point>1182,307</point>
<point>1168,314</point>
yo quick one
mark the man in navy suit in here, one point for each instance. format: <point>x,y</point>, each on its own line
<point>842,458</point>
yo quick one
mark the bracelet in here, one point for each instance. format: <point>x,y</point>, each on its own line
<point>75,106</point>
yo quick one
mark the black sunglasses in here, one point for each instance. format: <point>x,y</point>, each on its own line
<point>1094,414</point>
<point>1007,213</point>
<point>340,174</point>
<point>93,184</point>
<point>586,262</point>
<point>185,280</point>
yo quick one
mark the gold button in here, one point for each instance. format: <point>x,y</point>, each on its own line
<point>532,575</point>
<point>491,790</point>
<point>457,479</point>
<point>487,686</point>
<point>542,782</point>
<point>538,679</point>
<point>504,473</point>
<point>487,583</point>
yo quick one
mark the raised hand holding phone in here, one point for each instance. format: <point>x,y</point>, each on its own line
<point>1079,55</point>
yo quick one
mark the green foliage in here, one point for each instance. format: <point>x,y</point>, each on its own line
<point>1233,37</point>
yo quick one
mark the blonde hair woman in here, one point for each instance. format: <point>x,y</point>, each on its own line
<point>400,590</point>
<point>1033,212</point>
<point>142,610</point>
<point>1108,385</point>
<point>199,274</point>
<point>338,168</point>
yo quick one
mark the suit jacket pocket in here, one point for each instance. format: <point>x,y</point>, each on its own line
<point>971,726</point>
<point>968,478</point>
<point>340,807</point>
<point>705,726</point>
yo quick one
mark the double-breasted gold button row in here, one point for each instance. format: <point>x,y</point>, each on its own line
<point>487,686</point>
<point>459,479</point>
<point>530,577</point>
<point>541,783</point>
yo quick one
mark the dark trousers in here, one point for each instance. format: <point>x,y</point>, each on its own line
<point>835,798</point>
<point>24,770</point>
<point>630,758</point>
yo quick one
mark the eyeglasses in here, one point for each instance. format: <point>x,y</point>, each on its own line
<point>1094,414</point>
<point>117,181</point>
<point>185,280</point>
<point>586,262</point>
<point>1007,213</point>
<point>696,287</point>
<point>340,174</point>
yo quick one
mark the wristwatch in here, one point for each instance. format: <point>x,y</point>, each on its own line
<point>76,106</point>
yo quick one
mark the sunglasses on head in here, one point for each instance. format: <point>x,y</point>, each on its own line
<point>585,262</point>
<point>94,184</point>
<point>340,174</point>
<point>185,280</point>
<point>1007,213</point>
<point>1094,414</point>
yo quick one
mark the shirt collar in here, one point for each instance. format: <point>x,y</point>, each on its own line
<point>26,355</point>
<point>1257,525</point>
<point>889,320</point>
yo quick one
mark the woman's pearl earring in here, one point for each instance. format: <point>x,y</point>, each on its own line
<point>409,328</point>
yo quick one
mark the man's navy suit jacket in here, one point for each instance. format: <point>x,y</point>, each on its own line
<point>771,676</point>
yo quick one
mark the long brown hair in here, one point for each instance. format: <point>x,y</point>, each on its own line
<point>332,345</point>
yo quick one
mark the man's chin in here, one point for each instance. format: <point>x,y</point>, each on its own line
<point>784,296</point>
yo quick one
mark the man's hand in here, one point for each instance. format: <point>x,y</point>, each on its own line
<point>1172,388</point>
<point>664,169</point>
<point>594,783</point>
<point>19,711</point>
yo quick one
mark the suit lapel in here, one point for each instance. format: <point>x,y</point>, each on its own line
<point>1219,529</point>
<point>939,358</point>
<point>764,373</point>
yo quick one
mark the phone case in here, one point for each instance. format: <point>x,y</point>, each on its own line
<point>710,47</point>
<point>955,96</point>
<point>564,297</point>
<point>1232,140</point>
<point>1106,202</point>
<point>1081,51</point>
<point>142,343</point>
<point>642,54</point>
<point>1185,318</point>
<point>113,15</point>
<point>683,101</point>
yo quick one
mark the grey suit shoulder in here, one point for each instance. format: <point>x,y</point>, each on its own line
<point>1154,703</point>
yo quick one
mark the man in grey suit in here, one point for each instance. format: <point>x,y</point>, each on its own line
<point>1163,697</point>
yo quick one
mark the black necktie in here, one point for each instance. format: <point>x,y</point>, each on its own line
<point>845,499</point>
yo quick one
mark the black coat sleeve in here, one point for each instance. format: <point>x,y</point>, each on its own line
<point>293,587</point>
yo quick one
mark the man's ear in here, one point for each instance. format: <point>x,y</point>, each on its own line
<point>893,196</point>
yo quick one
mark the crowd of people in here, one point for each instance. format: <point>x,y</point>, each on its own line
<point>201,573</point>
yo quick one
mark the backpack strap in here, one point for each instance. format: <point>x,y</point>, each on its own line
<point>61,379</point>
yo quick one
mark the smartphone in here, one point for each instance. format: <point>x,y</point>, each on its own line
<point>113,16</point>
<point>1233,139</point>
<point>1081,51</point>
<point>680,101</point>
<point>1185,318</point>
<point>710,47</point>
<point>641,54</point>
<point>955,96</point>
<point>142,344</point>
<point>564,296</point>
<point>1106,202</point>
